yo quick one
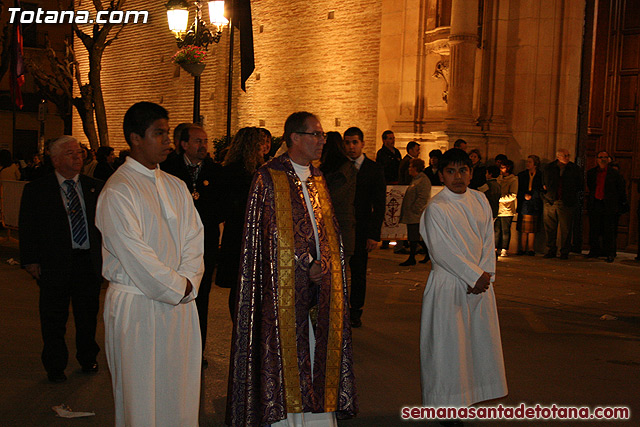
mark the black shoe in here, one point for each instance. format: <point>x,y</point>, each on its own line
<point>610,258</point>
<point>384,245</point>
<point>410,261</point>
<point>549,255</point>
<point>356,322</point>
<point>531,253</point>
<point>564,256</point>
<point>425,260</point>
<point>57,377</point>
<point>205,363</point>
<point>90,368</point>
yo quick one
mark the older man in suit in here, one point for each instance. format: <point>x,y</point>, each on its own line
<point>60,248</point>
<point>607,196</point>
<point>370,199</point>
<point>193,165</point>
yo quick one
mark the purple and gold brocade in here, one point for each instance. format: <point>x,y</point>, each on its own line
<point>270,372</point>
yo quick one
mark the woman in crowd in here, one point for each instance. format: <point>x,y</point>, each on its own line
<point>507,209</point>
<point>35,169</point>
<point>529,204</point>
<point>415,200</point>
<point>432,170</point>
<point>104,169</point>
<point>89,162</point>
<point>340,174</point>
<point>478,178</point>
<point>244,156</point>
<point>266,142</point>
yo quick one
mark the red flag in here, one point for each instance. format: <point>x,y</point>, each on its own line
<point>242,21</point>
<point>17,62</point>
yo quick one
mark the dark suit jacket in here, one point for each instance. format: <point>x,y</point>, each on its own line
<point>390,162</point>
<point>370,200</point>
<point>208,186</point>
<point>572,183</point>
<point>403,171</point>
<point>45,235</point>
<point>433,176</point>
<point>615,194</point>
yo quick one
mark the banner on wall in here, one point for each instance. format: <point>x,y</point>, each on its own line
<point>392,229</point>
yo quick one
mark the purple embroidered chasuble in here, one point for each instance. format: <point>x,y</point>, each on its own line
<point>270,370</point>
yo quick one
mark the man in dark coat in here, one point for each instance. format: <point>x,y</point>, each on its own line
<point>61,248</point>
<point>606,196</point>
<point>371,194</point>
<point>389,157</point>
<point>562,181</point>
<point>413,152</point>
<point>193,165</point>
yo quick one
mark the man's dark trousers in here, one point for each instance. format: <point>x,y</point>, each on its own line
<point>557,218</point>
<point>602,228</point>
<point>76,283</point>
<point>358,266</point>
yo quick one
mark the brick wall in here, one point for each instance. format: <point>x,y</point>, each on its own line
<point>304,61</point>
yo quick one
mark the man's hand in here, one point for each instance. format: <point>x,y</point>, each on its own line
<point>33,270</point>
<point>527,196</point>
<point>315,272</point>
<point>371,245</point>
<point>189,288</point>
<point>482,284</point>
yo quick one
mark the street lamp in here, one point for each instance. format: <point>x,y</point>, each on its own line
<point>198,35</point>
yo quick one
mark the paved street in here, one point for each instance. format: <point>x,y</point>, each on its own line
<point>557,350</point>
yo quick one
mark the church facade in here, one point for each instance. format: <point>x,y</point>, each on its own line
<point>509,76</point>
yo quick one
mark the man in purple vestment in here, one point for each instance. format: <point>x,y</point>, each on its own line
<point>291,353</point>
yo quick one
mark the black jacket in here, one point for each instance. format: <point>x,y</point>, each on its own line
<point>615,195</point>
<point>208,186</point>
<point>571,182</point>
<point>45,235</point>
<point>390,162</point>
<point>370,200</point>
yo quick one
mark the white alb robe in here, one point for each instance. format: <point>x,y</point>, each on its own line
<point>460,348</point>
<point>153,241</point>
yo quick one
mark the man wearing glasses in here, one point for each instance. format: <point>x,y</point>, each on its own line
<point>606,197</point>
<point>562,181</point>
<point>291,357</point>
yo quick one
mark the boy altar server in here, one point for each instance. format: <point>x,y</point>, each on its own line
<point>153,242</point>
<point>460,348</point>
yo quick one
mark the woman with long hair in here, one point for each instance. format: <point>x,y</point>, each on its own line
<point>340,174</point>
<point>244,156</point>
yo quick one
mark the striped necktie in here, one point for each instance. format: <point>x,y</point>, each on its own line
<point>78,228</point>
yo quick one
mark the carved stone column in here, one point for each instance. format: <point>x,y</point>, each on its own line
<point>463,41</point>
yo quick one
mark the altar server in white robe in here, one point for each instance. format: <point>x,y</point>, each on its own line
<point>153,245</point>
<point>460,347</point>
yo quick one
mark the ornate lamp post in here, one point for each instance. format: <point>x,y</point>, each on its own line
<point>198,35</point>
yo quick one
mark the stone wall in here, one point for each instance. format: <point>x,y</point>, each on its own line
<point>316,55</point>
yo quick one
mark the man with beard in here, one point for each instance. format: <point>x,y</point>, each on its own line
<point>194,166</point>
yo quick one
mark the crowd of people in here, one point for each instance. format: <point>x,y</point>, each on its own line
<point>150,225</point>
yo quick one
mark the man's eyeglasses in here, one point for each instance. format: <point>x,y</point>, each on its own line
<point>316,134</point>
